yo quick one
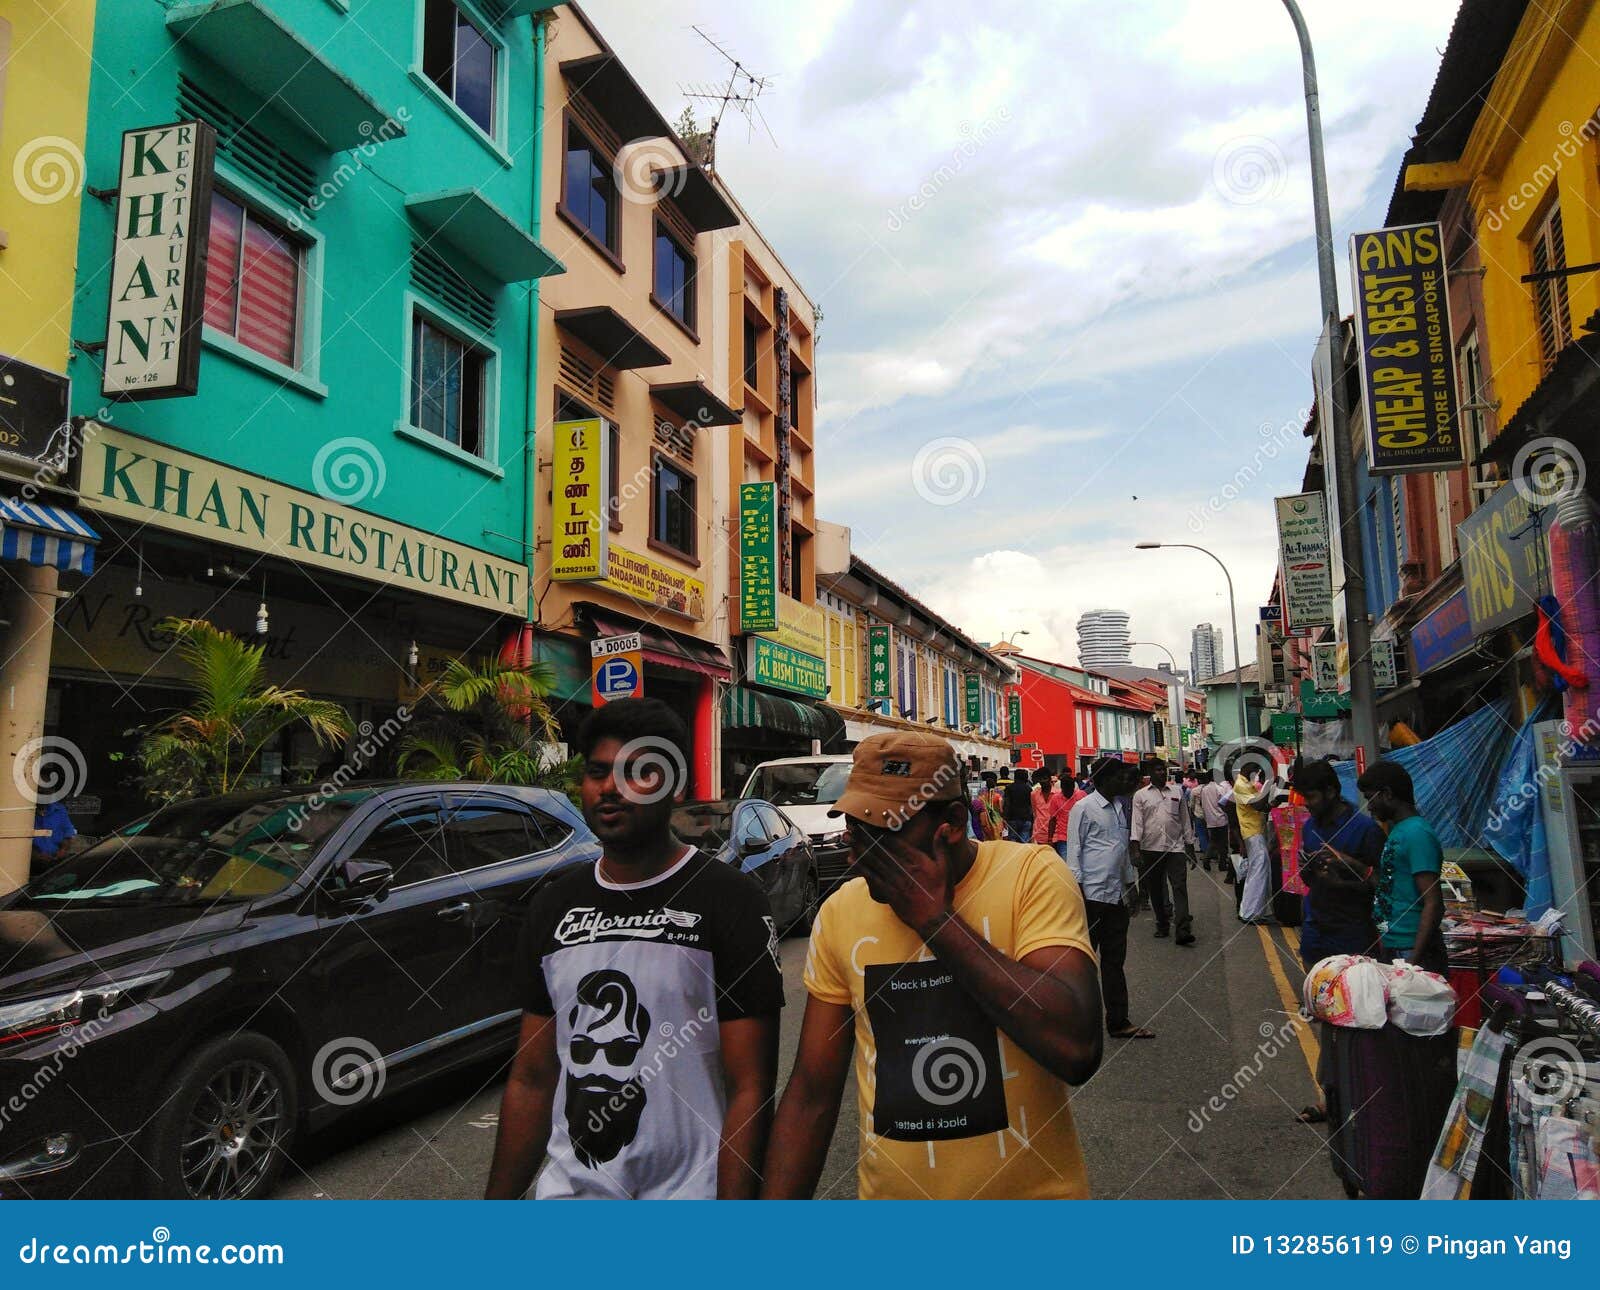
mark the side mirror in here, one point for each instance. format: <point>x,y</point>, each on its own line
<point>364,880</point>
<point>751,846</point>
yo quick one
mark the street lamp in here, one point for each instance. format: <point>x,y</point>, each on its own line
<point>1233,614</point>
<point>1182,704</point>
<point>1358,642</point>
<point>1012,639</point>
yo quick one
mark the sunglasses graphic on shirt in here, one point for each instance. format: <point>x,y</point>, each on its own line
<point>618,1052</point>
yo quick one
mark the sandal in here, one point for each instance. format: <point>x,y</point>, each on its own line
<point>1312,1115</point>
<point>1133,1032</point>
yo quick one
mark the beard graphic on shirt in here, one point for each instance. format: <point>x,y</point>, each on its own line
<point>605,1099</point>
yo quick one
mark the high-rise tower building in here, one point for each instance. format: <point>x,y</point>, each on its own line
<point>1103,638</point>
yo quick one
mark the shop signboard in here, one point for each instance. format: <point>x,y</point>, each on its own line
<point>154,484</point>
<point>1014,713</point>
<point>1384,675</point>
<point>1303,562</point>
<point>1286,729</point>
<point>800,627</point>
<point>878,672</point>
<point>34,422</point>
<point>1325,667</point>
<point>782,668</point>
<point>974,693</point>
<point>652,583</point>
<point>616,667</point>
<point>758,557</point>
<point>1442,635</point>
<point>157,294</point>
<point>1405,349</point>
<point>579,527</point>
<point>1504,558</point>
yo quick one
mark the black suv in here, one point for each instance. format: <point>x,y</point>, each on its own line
<point>183,998</point>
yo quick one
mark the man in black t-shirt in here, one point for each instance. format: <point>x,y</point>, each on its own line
<point>1019,806</point>
<point>648,1056</point>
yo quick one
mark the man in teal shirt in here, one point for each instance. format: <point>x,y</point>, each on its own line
<point>1408,906</point>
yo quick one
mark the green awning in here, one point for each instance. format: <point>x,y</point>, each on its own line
<point>474,227</point>
<point>747,709</point>
<point>257,48</point>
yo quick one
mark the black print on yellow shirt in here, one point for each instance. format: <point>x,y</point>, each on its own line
<point>938,1064</point>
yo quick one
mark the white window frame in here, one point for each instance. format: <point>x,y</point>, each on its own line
<point>308,321</point>
<point>494,140</point>
<point>448,321</point>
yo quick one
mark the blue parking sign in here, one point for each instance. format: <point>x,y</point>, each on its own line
<point>617,668</point>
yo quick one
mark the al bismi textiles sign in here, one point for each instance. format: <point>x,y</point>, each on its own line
<point>151,483</point>
<point>157,291</point>
<point>1406,351</point>
<point>1303,562</point>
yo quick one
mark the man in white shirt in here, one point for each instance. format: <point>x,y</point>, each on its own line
<point>1097,854</point>
<point>1161,835</point>
<point>1212,795</point>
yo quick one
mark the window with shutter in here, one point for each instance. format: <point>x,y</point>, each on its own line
<point>1549,252</point>
<point>254,272</point>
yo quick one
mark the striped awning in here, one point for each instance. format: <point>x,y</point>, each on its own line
<point>745,709</point>
<point>46,535</point>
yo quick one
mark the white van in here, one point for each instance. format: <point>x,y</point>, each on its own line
<point>805,789</point>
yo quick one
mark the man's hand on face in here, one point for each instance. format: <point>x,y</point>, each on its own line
<point>913,882</point>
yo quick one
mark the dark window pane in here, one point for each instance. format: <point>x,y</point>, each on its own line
<point>409,842</point>
<point>674,278</point>
<point>752,370</point>
<point>439,44</point>
<point>674,508</point>
<point>589,191</point>
<point>471,427</point>
<point>222,263</point>
<point>479,835</point>
<point>474,74</point>
<point>549,831</point>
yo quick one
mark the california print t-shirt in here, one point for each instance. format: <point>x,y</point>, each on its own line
<point>637,978</point>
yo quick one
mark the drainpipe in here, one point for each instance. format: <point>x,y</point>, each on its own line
<point>530,445</point>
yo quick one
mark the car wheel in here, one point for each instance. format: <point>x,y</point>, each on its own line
<point>810,899</point>
<point>226,1130</point>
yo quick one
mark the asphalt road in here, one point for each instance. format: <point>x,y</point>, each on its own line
<point>1204,1110</point>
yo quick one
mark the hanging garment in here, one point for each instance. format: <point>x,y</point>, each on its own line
<point>1455,1159</point>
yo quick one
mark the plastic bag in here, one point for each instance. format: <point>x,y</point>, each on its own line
<point>1420,1003</point>
<point>1347,990</point>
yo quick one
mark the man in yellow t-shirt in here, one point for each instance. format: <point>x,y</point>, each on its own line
<point>962,974</point>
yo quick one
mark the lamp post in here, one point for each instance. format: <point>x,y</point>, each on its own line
<point>1233,615</point>
<point>1012,639</point>
<point>1181,709</point>
<point>1358,640</point>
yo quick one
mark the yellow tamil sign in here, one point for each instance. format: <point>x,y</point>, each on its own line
<point>800,627</point>
<point>640,578</point>
<point>152,483</point>
<point>578,495</point>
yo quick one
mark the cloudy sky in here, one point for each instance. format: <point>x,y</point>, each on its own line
<point>1063,251</point>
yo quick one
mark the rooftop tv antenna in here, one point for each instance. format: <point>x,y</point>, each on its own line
<point>740,92</point>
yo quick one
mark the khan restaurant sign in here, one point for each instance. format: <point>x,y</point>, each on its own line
<point>158,267</point>
<point>152,483</point>
<point>1406,350</point>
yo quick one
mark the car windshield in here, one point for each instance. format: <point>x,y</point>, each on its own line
<point>807,783</point>
<point>201,851</point>
<point>705,824</point>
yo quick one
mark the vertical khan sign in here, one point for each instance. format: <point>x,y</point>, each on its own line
<point>877,661</point>
<point>758,557</point>
<point>157,295</point>
<point>1303,562</point>
<point>579,529</point>
<point>1407,354</point>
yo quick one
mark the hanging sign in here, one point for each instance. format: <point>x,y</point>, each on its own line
<point>157,291</point>
<point>1325,667</point>
<point>1303,562</point>
<point>758,557</point>
<point>578,543</point>
<point>1405,349</point>
<point>974,699</point>
<point>1014,713</point>
<point>878,661</point>
<point>616,667</point>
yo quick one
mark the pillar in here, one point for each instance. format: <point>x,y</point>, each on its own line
<point>702,775</point>
<point>29,606</point>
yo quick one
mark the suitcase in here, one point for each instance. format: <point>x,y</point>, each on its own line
<point>1389,1100</point>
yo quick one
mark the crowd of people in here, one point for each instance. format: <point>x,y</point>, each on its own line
<point>970,979</point>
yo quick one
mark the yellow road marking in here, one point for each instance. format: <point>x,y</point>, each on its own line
<point>1291,1001</point>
